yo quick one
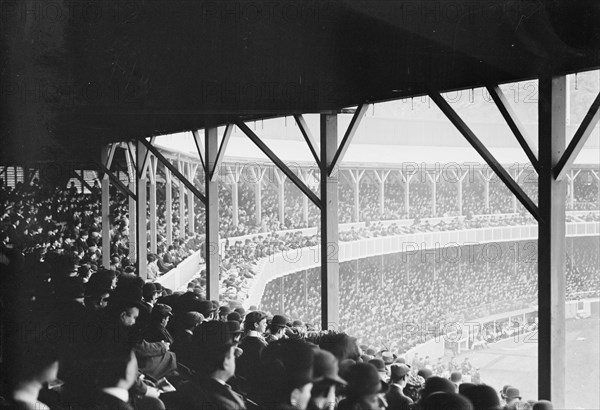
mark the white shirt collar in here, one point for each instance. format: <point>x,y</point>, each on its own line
<point>254,333</point>
<point>117,392</point>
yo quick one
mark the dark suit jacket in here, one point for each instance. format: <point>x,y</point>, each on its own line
<point>206,393</point>
<point>183,348</point>
<point>107,402</point>
<point>396,398</point>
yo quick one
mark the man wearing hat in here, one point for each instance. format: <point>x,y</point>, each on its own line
<point>214,364</point>
<point>327,380</point>
<point>183,338</point>
<point>513,397</point>
<point>395,396</point>
<point>149,297</point>
<point>207,308</point>
<point>223,312</point>
<point>364,388</point>
<point>286,378</point>
<point>277,328</point>
<point>156,330</point>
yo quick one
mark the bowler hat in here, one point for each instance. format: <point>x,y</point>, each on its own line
<point>399,370</point>
<point>437,384</point>
<point>363,380</point>
<point>378,363</point>
<point>325,367</point>
<point>192,319</point>
<point>513,393</point>
<point>160,310</point>
<point>206,307</point>
<point>425,373</point>
<point>234,327</point>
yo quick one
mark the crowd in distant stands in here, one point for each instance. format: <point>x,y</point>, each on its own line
<point>426,289</point>
<point>111,341</point>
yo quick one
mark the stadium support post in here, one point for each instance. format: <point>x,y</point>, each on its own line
<point>131,171</point>
<point>169,205</point>
<point>181,165</point>
<point>330,274</point>
<point>141,225</point>
<point>551,242</point>
<point>211,146</point>
<point>153,215</point>
<point>106,159</point>
<point>191,215</point>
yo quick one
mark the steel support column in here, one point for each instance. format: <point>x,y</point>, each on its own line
<point>141,222</point>
<point>131,171</point>
<point>169,206</point>
<point>153,215</point>
<point>330,274</point>
<point>105,204</point>
<point>191,211</point>
<point>551,242</point>
<point>181,165</point>
<point>211,145</point>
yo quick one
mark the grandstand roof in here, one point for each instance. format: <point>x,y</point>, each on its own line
<point>80,74</point>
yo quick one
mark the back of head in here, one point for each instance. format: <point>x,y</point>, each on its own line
<point>362,380</point>
<point>211,342</point>
<point>481,396</point>
<point>446,401</point>
<point>543,405</point>
<point>286,365</point>
<point>340,345</point>
<point>437,384</point>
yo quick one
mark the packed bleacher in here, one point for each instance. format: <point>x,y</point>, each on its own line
<point>421,287</point>
<point>115,342</point>
<point>79,335</point>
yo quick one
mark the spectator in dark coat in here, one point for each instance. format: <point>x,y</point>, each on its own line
<point>395,396</point>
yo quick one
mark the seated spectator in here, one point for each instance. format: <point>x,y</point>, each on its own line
<point>364,389</point>
<point>395,396</point>
<point>286,378</point>
<point>156,331</point>
<point>28,370</point>
<point>446,401</point>
<point>182,346</point>
<point>327,381</point>
<point>482,397</point>
<point>214,363</point>
<point>115,375</point>
<point>277,328</point>
<point>513,398</point>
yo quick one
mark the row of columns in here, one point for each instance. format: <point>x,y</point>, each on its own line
<point>550,213</point>
<point>140,166</point>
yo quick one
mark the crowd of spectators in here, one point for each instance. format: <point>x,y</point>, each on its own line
<point>430,289</point>
<point>112,341</point>
<point>117,342</point>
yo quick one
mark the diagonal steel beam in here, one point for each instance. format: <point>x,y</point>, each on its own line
<point>513,123</point>
<point>213,173</point>
<point>200,148</point>
<point>145,162</point>
<point>579,139</point>
<point>116,181</point>
<point>308,137</point>
<point>174,170</point>
<point>81,179</point>
<point>284,168</point>
<point>359,114</point>
<point>504,176</point>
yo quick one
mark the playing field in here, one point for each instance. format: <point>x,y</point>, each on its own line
<point>515,362</point>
